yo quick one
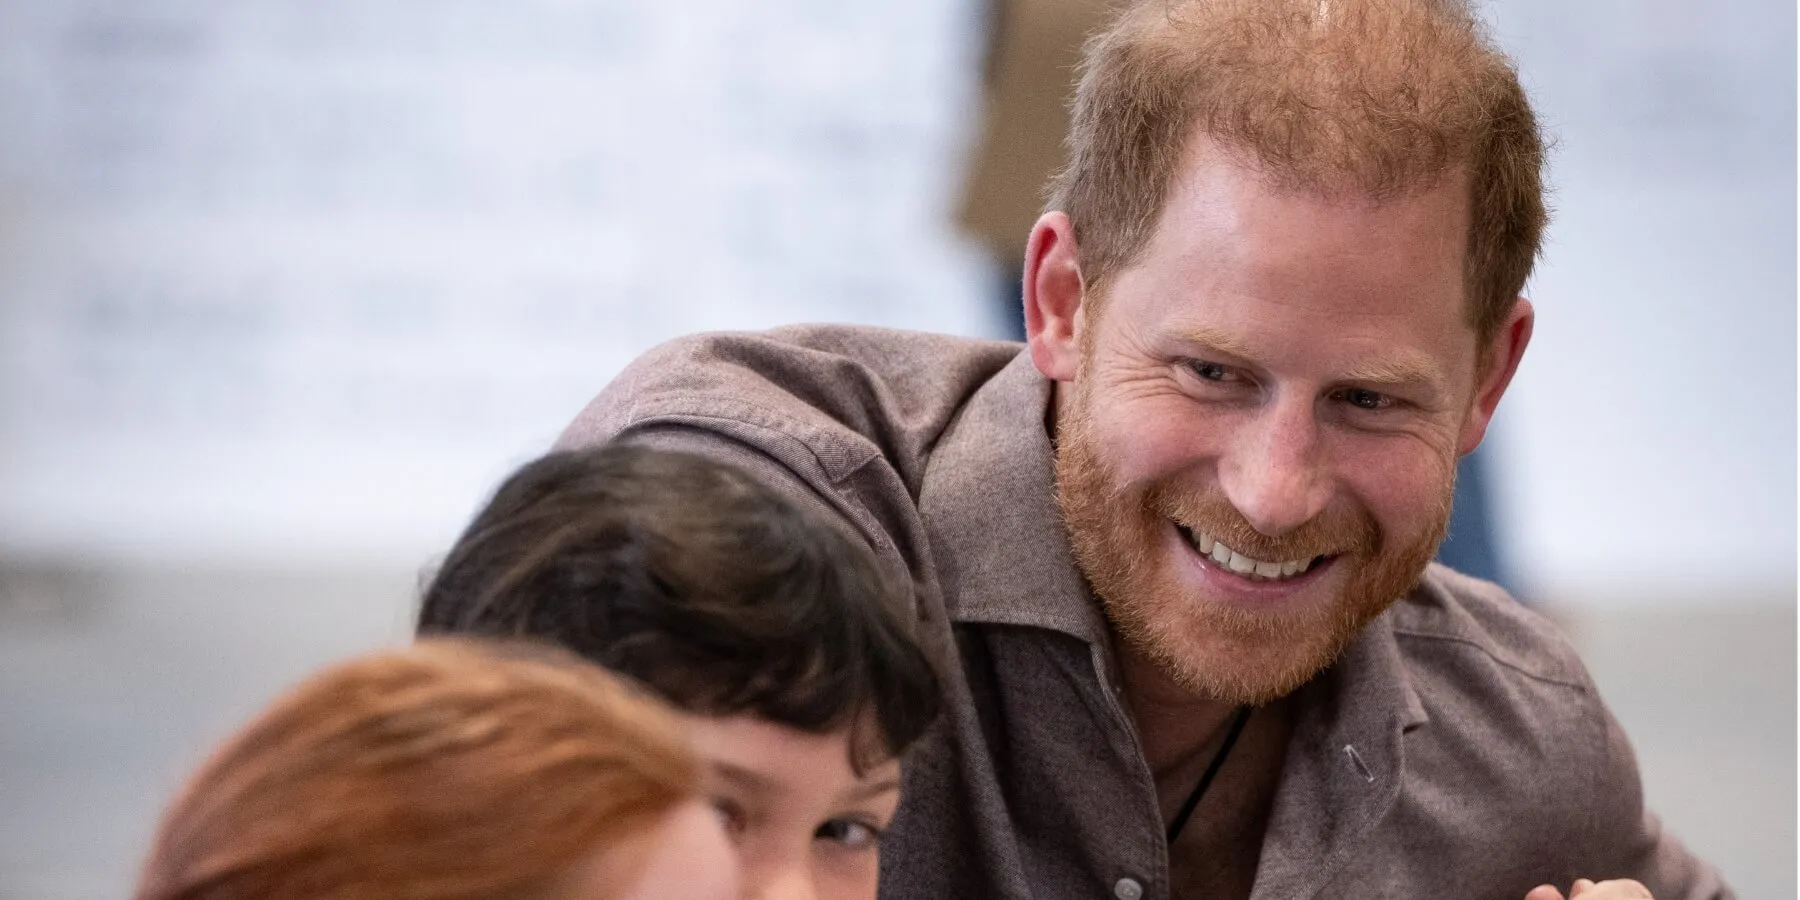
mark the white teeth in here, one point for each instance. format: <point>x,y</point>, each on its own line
<point>1244,565</point>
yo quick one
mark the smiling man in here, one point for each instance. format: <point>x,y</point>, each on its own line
<point>1262,414</point>
<point>1176,551</point>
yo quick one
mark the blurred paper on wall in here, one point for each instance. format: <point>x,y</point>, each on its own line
<point>1033,50</point>
<point>1645,452</point>
<point>298,280</point>
<point>286,287</point>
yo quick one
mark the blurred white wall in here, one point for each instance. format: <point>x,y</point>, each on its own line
<point>298,282</point>
<point>1646,452</point>
<point>286,287</point>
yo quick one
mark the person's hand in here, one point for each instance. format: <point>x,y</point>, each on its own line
<point>1584,889</point>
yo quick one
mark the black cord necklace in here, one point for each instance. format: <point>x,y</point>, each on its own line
<point>1206,780</point>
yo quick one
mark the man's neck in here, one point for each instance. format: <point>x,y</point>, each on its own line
<point>1219,850</point>
<point>1173,723</point>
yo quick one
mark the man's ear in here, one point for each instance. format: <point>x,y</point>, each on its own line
<point>1498,361</point>
<point>1053,293</point>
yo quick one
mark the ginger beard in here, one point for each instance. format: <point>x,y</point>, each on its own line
<point>1119,535</point>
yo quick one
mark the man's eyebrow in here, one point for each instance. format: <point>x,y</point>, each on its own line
<point>1400,369</point>
<point>1214,339</point>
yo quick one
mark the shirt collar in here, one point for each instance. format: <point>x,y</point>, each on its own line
<point>1344,764</point>
<point>989,504</point>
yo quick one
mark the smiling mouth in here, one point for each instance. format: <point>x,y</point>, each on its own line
<point>1243,566</point>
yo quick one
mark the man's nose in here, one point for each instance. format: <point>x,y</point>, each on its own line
<point>1272,471</point>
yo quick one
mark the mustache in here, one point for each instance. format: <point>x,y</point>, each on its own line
<point>1331,533</point>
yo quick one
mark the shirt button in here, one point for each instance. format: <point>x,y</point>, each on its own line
<point>1128,889</point>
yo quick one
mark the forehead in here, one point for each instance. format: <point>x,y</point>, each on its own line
<point>1225,205</point>
<point>769,758</point>
<point>1235,249</point>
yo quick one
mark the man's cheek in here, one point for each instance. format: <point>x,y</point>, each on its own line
<point>1157,444</point>
<point>1404,514</point>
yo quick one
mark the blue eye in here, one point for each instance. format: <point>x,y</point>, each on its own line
<point>850,833</point>
<point>1213,371</point>
<point>1366,399</point>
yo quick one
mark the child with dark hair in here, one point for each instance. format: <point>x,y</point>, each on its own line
<point>775,632</point>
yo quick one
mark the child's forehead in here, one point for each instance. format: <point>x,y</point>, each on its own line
<point>765,757</point>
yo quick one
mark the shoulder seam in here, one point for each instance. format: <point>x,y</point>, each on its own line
<point>1455,639</point>
<point>778,424</point>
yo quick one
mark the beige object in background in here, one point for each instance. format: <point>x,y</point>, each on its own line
<point>1033,48</point>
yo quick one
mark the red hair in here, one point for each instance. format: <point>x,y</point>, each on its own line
<point>449,770</point>
<point>1378,96</point>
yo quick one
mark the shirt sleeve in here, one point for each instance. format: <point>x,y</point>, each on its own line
<point>774,459</point>
<point>1647,851</point>
<point>767,470</point>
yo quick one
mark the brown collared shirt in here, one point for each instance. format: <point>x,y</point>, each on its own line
<point>1457,749</point>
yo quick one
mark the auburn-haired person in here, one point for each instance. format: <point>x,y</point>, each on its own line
<point>1362,99</point>
<point>772,630</point>
<point>449,770</point>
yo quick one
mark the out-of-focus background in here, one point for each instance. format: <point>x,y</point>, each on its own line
<point>287,286</point>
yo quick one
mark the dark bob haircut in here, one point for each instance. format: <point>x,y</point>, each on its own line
<point>692,578</point>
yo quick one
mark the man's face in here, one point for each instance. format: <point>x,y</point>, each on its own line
<point>1257,453</point>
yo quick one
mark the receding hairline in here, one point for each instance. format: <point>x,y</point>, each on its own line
<point>1374,97</point>
<point>1204,148</point>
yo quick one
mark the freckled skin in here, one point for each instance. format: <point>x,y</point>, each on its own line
<point>1290,373</point>
<point>1315,288</point>
<point>1292,369</point>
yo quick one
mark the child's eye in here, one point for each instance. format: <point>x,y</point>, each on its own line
<point>850,833</point>
<point>731,815</point>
